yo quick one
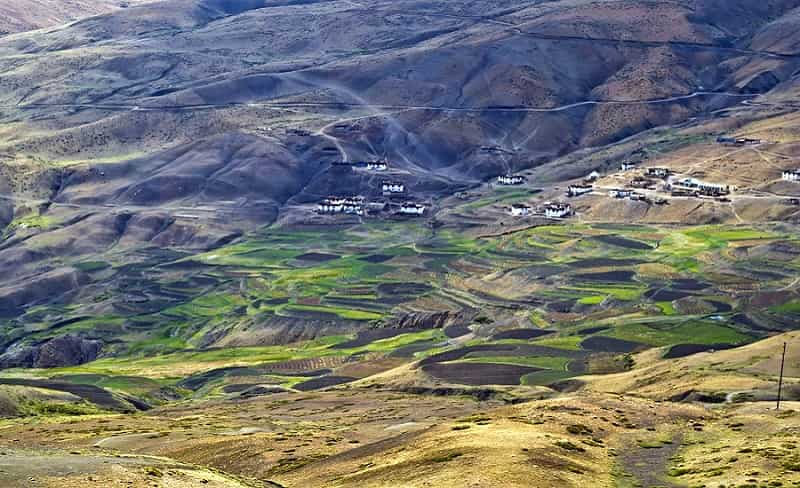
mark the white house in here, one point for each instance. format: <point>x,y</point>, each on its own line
<point>557,210</point>
<point>627,166</point>
<point>412,209</point>
<point>520,210</point>
<point>348,205</point>
<point>791,175</point>
<point>578,190</point>
<point>393,187</point>
<point>377,166</point>
<point>658,172</point>
<point>593,176</point>
<point>328,207</point>
<point>620,193</point>
<point>511,180</point>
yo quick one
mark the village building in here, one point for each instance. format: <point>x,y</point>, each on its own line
<point>641,182</point>
<point>520,210</point>
<point>791,175</point>
<point>658,172</point>
<point>578,190</point>
<point>412,209</point>
<point>557,210</point>
<point>627,166</point>
<point>593,176</point>
<point>377,165</point>
<point>348,205</point>
<point>620,193</point>
<point>392,187</point>
<point>511,180</point>
<point>738,141</point>
<point>701,187</point>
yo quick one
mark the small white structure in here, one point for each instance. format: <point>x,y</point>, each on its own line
<point>710,189</point>
<point>510,180</point>
<point>377,166</point>
<point>390,187</point>
<point>593,176</point>
<point>578,190</point>
<point>412,209</point>
<point>791,175</point>
<point>627,166</point>
<point>658,172</point>
<point>348,205</point>
<point>520,210</point>
<point>620,193</point>
<point>557,210</point>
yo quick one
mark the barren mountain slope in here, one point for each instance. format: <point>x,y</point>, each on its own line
<point>170,128</point>
<point>23,15</point>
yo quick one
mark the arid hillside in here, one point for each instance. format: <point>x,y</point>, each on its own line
<point>23,15</point>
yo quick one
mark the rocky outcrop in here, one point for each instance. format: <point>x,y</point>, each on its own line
<point>761,83</point>
<point>432,320</point>
<point>66,350</point>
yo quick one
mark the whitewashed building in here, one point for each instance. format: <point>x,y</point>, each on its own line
<point>658,172</point>
<point>627,166</point>
<point>412,209</point>
<point>620,193</point>
<point>791,175</point>
<point>390,187</point>
<point>510,180</point>
<point>520,210</point>
<point>348,205</point>
<point>377,166</point>
<point>578,190</point>
<point>557,210</point>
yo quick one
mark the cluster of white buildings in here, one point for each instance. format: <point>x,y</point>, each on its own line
<point>347,205</point>
<point>701,187</point>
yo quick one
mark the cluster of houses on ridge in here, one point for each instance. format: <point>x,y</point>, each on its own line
<point>358,205</point>
<point>551,210</point>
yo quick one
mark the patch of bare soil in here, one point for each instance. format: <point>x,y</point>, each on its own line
<point>479,373</point>
<point>647,463</point>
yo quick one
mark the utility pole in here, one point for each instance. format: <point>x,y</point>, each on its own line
<point>780,378</point>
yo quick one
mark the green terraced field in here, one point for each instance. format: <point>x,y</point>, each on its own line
<point>564,278</point>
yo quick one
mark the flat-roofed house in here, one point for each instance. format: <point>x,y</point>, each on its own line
<point>390,187</point>
<point>510,180</point>
<point>520,210</point>
<point>791,175</point>
<point>578,190</point>
<point>620,193</point>
<point>658,172</point>
<point>409,208</point>
<point>557,210</point>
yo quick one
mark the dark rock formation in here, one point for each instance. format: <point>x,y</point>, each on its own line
<point>433,320</point>
<point>66,350</point>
